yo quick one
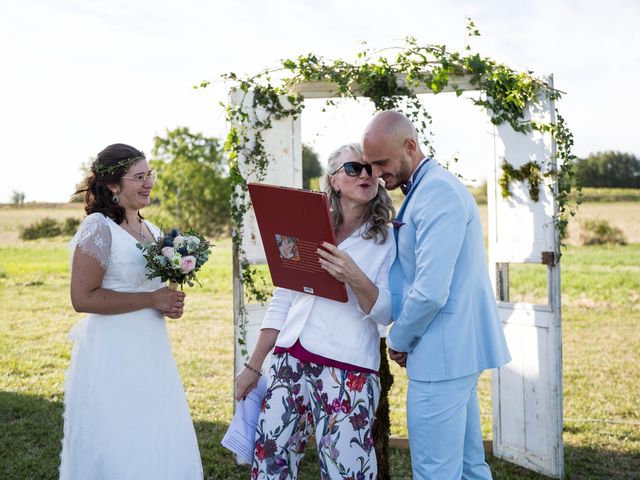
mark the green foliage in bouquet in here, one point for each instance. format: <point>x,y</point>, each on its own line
<point>176,257</point>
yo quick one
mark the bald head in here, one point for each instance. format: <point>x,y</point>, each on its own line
<point>390,127</point>
<point>390,145</point>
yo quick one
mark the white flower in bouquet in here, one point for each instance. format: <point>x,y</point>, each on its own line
<point>192,244</point>
<point>178,241</point>
<point>176,261</point>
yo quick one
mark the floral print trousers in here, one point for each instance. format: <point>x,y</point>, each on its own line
<point>340,404</point>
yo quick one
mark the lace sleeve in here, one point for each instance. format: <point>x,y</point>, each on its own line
<point>93,238</point>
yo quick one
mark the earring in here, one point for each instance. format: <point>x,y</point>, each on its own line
<point>115,198</point>
<point>337,192</point>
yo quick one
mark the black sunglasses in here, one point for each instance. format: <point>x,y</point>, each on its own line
<point>353,169</point>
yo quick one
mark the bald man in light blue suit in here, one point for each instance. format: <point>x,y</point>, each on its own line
<point>446,327</point>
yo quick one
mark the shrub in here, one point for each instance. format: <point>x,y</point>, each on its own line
<point>69,226</point>
<point>49,227</point>
<point>45,228</point>
<point>311,168</point>
<point>600,232</point>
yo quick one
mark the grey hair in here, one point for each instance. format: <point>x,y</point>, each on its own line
<point>379,211</point>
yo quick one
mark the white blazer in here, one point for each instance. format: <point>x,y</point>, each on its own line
<point>336,330</point>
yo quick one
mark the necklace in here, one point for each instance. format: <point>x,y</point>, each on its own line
<point>141,233</point>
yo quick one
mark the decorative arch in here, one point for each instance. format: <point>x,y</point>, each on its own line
<point>393,80</point>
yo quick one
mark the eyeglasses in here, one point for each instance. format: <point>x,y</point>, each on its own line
<point>353,169</point>
<point>140,178</point>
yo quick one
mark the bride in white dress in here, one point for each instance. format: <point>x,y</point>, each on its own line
<point>126,414</point>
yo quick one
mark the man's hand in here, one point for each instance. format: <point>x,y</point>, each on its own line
<point>399,357</point>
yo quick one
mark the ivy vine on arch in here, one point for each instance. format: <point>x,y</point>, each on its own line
<point>530,171</point>
<point>387,78</point>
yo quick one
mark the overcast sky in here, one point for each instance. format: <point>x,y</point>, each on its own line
<point>77,75</point>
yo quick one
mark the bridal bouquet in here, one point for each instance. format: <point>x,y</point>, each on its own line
<point>176,257</point>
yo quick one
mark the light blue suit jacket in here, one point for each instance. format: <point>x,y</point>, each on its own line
<point>444,309</point>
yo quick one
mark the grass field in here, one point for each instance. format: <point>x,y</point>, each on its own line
<point>601,345</point>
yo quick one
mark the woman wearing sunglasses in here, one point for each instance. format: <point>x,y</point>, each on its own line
<point>324,367</point>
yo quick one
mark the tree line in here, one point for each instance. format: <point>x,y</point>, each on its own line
<point>608,169</point>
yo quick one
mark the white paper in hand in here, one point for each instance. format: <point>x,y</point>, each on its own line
<point>240,437</point>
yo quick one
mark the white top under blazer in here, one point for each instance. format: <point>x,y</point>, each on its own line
<point>332,329</point>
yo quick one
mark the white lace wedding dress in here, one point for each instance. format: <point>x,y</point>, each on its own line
<point>126,416</point>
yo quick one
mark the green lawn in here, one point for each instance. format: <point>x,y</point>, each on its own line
<point>601,345</point>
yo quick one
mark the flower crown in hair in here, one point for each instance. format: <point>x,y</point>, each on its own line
<point>102,169</point>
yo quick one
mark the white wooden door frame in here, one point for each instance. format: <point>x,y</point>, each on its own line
<point>527,393</point>
<point>283,141</point>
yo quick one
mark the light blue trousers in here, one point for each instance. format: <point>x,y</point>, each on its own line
<point>444,430</point>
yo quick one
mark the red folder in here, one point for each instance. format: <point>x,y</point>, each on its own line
<point>293,223</point>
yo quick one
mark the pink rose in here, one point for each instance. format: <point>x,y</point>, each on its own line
<point>188,263</point>
<point>167,252</point>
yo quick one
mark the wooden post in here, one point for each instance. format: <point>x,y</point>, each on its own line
<point>382,425</point>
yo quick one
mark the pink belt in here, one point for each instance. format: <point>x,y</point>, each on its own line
<point>304,355</point>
